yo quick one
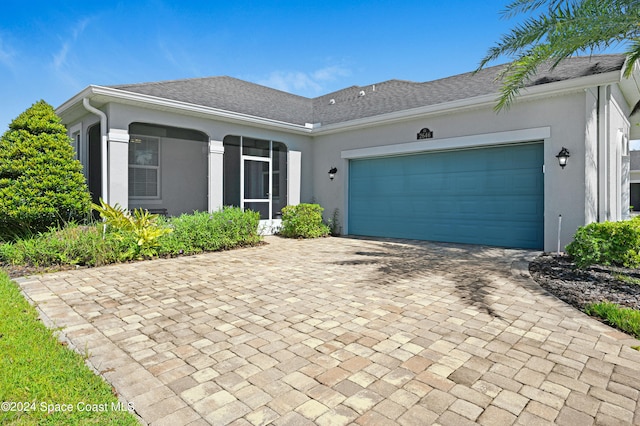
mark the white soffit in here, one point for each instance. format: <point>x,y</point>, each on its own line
<point>487,139</point>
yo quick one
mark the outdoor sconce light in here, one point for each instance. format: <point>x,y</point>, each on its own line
<point>563,156</point>
<point>332,172</point>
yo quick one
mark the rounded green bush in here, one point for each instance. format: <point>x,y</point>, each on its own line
<point>41,183</point>
<point>303,221</point>
<point>607,243</point>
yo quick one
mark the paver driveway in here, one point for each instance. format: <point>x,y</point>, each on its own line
<point>343,331</point>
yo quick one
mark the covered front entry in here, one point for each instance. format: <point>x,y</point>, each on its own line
<point>492,196</point>
<point>255,176</point>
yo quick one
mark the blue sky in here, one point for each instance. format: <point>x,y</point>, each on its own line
<point>53,49</point>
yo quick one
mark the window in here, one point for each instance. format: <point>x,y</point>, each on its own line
<point>75,144</point>
<point>144,167</point>
<point>74,132</point>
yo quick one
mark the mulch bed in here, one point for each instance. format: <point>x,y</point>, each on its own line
<point>16,271</point>
<point>579,287</point>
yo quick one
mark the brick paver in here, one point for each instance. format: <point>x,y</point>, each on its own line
<point>339,331</point>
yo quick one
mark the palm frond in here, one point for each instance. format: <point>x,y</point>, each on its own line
<point>633,55</point>
<point>518,73</point>
<point>561,29</point>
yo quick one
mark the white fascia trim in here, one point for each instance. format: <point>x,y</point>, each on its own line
<point>487,139</point>
<point>530,93</point>
<point>163,103</point>
<point>73,101</point>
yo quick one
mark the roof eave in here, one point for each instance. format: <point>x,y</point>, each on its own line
<point>108,94</point>
<point>490,100</point>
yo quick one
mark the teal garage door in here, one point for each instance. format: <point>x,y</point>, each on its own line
<point>491,196</point>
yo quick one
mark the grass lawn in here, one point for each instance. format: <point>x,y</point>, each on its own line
<point>625,319</point>
<point>42,382</point>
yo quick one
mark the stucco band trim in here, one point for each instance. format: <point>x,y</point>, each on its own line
<point>487,139</point>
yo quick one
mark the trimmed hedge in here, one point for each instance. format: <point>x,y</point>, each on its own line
<point>201,231</point>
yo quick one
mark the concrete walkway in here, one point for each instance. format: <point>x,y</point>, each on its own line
<point>341,331</point>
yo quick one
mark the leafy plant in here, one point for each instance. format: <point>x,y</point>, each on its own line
<point>607,243</point>
<point>41,184</point>
<point>627,279</point>
<point>625,319</point>
<point>303,221</point>
<point>91,246</point>
<point>72,245</point>
<point>334,223</point>
<point>201,231</point>
<point>553,30</point>
<point>140,223</point>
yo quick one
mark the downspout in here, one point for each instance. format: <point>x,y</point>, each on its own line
<point>103,147</point>
<point>598,156</point>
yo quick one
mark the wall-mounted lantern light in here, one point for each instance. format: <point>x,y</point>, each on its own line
<point>563,156</point>
<point>332,172</point>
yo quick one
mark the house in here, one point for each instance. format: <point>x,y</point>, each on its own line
<point>430,160</point>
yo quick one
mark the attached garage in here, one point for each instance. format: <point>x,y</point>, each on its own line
<point>490,195</point>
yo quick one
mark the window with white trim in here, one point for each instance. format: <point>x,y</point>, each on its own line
<point>144,167</point>
<point>74,133</point>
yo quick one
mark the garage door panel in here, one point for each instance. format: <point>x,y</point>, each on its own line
<point>483,196</point>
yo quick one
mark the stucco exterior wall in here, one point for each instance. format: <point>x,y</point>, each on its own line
<point>564,188</point>
<point>120,116</point>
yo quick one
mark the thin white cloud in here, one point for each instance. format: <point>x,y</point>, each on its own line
<point>178,57</point>
<point>291,81</point>
<point>60,58</point>
<point>80,27</point>
<point>303,83</point>
<point>6,55</point>
<point>330,73</point>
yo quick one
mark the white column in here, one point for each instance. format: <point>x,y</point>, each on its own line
<point>118,166</point>
<point>216,173</point>
<point>294,176</point>
<point>604,159</point>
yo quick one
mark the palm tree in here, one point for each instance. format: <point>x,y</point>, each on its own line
<point>557,29</point>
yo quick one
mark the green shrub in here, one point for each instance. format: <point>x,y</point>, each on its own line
<point>334,224</point>
<point>90,246</point>
<point>607,243</point>
<point>201,231</point>
<point>41,184</point>
<point>140,224</point>
<point>73,245</point>
<point>303,221</point>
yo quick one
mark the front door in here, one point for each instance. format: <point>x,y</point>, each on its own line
<point>256,183</point>
<point>255,178</point>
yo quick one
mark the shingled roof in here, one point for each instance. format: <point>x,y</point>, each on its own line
<point>231,94</point>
